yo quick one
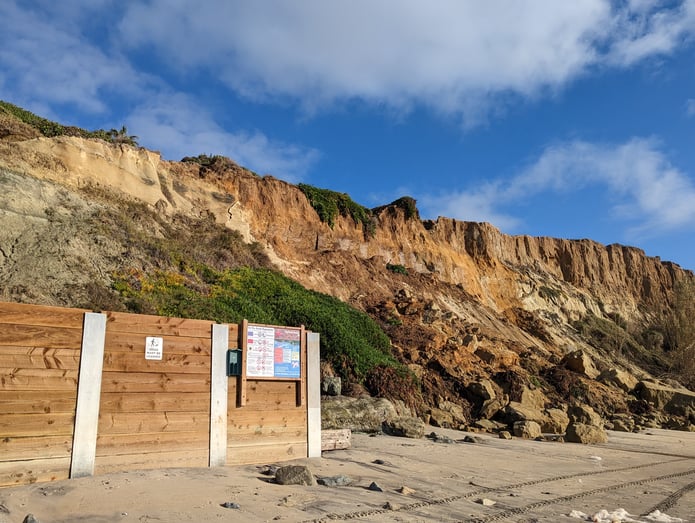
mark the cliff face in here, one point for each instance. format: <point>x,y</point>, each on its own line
<point>469,288</point>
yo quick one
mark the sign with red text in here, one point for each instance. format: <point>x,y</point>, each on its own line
<point>273,352</point>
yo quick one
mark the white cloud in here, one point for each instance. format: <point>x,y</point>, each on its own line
<point>44,59</point>
<point>690,107</point>
<point>652,195</point>
<point>455,56</point>
<point>645,28</point>
<point>177,126</point>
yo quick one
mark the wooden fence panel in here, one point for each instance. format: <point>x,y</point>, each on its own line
<point>154,413</point>
<point>269,427</point>
<point>39,361</point>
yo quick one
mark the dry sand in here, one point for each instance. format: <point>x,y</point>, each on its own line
<point>527,480</point>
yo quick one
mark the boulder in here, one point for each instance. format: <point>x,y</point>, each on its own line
<point>362,414</point>
<point>515,411</point>
<point>580,362</point>
<point>556,421</point>
<point>405,427</point>
<point>331,386</point>
<point>456,411</point>
<point>585,414</point>
<point>441,418</point>
<point>586,434</point>
<point>490,408</point>
<point>481,390</point>
<point>498,357</point>
<point>618,378</point>
<point>294,475</point>
<point>672,400</point>
<point>533,398</point>
<point>527,429</point>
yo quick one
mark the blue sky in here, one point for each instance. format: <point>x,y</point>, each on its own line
<point>542,117</point>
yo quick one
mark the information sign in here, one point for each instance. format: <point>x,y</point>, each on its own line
<point>273,352</point>
<point>154,348</point>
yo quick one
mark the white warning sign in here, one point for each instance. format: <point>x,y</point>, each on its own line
<point>154,348</point>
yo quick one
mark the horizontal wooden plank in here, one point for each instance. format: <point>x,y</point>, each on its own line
<point>153,382</point>
<point>157,325</point>
<point>27,401</point>
<point>151,460</point>
<point>264,453</point>
<point>13,473</point>
<point>134,362</point>
<point>35,447</point>
<point>160,402</point>
<point>134,423</point>
<point>41,315</point>
<point>278,435</point>
<point>36,424</point>
<point>39,358</point>
<point>38,379</point>
<point>40,336</point>
<point>244,417</point>
<point>119,444</point>
<point>135,343</point>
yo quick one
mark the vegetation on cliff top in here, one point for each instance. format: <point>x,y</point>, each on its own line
<point>330,204</point>
<point>50,128</point>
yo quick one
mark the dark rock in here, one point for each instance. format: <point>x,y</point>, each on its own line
<point>482,390</point>
<point>30,519</point>
<point>375,487</point>
<point>439,438</point>
<point>331,386</point>
<point>294,475</point>
<point>230,504</point>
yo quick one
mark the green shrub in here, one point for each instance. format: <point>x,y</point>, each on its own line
<point>329,204</point>
<point>350,340</point>
<point>395,268</point>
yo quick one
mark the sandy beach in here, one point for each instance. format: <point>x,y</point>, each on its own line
<point>488,479</point>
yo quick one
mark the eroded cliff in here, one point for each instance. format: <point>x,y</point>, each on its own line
<point>471,304</point>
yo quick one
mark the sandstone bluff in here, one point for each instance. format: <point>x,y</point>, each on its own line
<point>500,331</point>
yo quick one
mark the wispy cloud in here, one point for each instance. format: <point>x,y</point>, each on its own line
<point>177,126</point>
<point>690,107</point>
<point>45,59</point>
<point>461,58</point>
<point>650,195</point>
